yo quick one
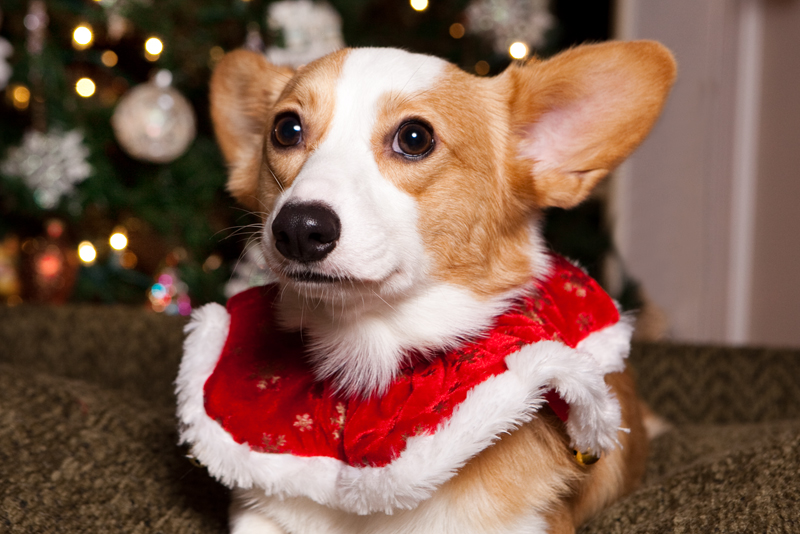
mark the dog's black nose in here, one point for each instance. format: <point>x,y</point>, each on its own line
<point>306,232</point>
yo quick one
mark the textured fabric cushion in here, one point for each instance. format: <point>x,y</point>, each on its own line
<point>116,347</point>
<point>707,478</point>
<point>75,458</point>
<point>87,433</point>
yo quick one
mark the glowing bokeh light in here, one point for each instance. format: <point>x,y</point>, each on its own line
<point>169,295</point>
<point>82,37</point>
<point>49,263</point>
<point>109,58</point>
<point>85,87</point>
<point>118,241</point>
<point>86,252</point>
<point>154,46</point>
<point>21,96</point>
<point>419,5</point>
<point>518,50</point>
<point>457,30</point>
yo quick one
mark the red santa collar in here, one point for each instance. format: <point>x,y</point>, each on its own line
<point>263,400</point>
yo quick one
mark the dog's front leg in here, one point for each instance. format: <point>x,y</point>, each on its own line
<point>244,519</point>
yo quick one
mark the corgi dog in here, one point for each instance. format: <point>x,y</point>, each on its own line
<point>401,201</point>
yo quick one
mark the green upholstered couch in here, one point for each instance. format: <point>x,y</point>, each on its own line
<point>88,439</point>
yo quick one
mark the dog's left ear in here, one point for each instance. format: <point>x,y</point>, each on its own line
<point>579,114</point>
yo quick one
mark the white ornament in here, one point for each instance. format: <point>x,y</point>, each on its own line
<point>154,122</point>
<point>5,69</point>
<point>5,52</point>
<point>50,164</point>
<point>250,271</point>
<point>310,30</point>
<point>509,21</point>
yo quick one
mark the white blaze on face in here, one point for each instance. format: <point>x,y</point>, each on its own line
<point>379,239</point>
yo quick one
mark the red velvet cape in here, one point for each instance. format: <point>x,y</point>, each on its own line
<point>263,392</point>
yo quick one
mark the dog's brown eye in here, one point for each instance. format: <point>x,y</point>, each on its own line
<point>288,131</point>
<point>413,140</point>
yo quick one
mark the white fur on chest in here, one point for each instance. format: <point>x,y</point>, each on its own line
<point>253,513</point>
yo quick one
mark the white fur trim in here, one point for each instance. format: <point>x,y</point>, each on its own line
<point>611,345</point>
<point>495,406</point>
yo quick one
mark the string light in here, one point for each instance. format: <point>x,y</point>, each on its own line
<point>109,58</point>
<point>153,48</point>
<point>86,252</point>
<point>118,241</point>
<point>82,37</point>
<point>419,5</point>
<point>20,96</point>
<point>457,30</point>
<point>85,87</point>
<point>518,50</point>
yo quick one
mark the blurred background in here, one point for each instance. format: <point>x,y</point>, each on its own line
<point>112,188</point>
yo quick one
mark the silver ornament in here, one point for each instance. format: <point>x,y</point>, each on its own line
<point>154,122</point>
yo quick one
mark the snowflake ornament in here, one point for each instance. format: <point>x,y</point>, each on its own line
<point>310,30</point>
<point>50,164</point>
<point>508,21</point>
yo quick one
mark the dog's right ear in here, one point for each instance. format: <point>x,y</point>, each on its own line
<point>244,86</point>
<point>577,115</point>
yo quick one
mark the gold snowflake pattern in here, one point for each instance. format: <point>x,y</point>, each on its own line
<point>273,444</point>
<point>580,289</point>
<point>304,422</point>
<point>338,421</point>
<point>267,375</point>
<point>585,322</point>
<point>268,382</point>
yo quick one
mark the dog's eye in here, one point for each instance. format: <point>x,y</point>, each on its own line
<point>413,139</point>
<point>288,131</point>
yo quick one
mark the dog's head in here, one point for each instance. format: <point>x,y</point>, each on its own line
<point>391,181</point>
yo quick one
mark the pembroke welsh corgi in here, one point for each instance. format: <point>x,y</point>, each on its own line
<point>422,363</point>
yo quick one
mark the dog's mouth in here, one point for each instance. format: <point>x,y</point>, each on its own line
<point>312,277</point>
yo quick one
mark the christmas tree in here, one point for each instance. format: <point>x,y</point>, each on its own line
<point>111,185</point>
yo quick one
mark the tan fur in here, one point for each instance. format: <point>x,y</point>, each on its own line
<point>474,221</point>
<point>534,469</point>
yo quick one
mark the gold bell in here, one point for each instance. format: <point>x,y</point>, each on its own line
<point>585,458</point>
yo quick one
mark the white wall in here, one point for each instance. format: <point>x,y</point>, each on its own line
<point>702,212</point>
<point>775,307</point>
